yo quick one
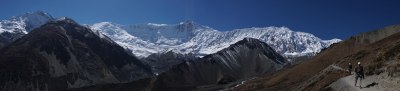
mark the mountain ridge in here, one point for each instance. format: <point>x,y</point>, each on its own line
<point>202,40</point>
<point>184,37</point>
<point>226,68</point>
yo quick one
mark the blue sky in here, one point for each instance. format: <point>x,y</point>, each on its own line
<point>324,18</point>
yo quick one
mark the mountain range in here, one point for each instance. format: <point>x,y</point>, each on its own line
<point>240,61</point>
<point>189,37</point>
<point>186,37</point>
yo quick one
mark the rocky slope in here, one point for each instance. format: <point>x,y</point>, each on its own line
<point>62,54</point>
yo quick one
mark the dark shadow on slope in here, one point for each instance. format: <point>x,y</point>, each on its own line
<point>371,85</point>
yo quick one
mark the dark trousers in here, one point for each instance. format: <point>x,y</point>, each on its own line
<point>358,77</point>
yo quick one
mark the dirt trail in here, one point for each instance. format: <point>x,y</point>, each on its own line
<point>371,83</point>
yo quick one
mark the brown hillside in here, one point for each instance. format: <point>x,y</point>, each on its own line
<point>370,48</point>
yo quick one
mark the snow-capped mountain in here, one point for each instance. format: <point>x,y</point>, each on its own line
<point>189,37</point>
<point>17,26</point>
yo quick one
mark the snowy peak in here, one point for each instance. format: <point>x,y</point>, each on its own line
<point>17,26</point>
<point>107,27</point>
<point>160,34</point>
<point>25,22</point>
<point>102,25</point>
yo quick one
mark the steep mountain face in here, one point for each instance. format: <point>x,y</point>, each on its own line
<point>189,37</point>
<point>375,50</point>
<point>17,26</point>
<point>242,60</point>
<point>62,54</point>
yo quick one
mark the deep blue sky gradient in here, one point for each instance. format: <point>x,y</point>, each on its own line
<point>324,18</point>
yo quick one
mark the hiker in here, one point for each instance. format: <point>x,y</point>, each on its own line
<point>359,73</point>
<point>350,67</point>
